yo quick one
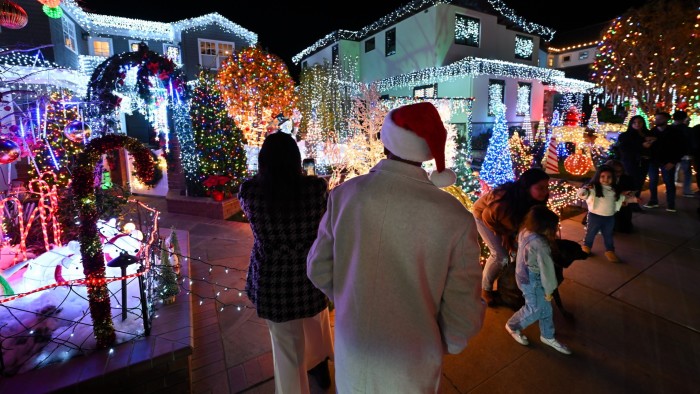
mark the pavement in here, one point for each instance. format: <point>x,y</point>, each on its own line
<point>635,325</point>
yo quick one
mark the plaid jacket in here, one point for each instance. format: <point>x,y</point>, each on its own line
<point>277,283</point>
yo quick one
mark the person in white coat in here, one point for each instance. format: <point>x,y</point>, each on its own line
<point>399,258</point>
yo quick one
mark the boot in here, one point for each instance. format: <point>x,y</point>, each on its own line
<point>321,374</point>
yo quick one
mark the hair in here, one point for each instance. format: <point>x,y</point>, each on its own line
<point>632,119</point>
<point>595,181</point>
<point>516,195</point>
<point>664,114</point>
<point>279,168</point>
<point>541,220</point>
<point>680,115</point>
<point>614,163</point>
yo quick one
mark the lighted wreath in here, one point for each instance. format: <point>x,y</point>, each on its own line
<point>90,246</point>
<point>110,74</point>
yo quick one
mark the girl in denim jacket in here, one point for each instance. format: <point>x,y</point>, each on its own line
<point>535,276</point>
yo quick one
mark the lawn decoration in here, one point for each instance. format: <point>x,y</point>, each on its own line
<point>578,164</point>
<point>12,16</point>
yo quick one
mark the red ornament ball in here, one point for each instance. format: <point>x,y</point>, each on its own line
<point>578,164</point>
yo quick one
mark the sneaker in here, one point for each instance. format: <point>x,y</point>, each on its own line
<point>688,194</point>
<point>489,297</point>
<point>586,249</point>
<point>520,338</point>
<point>561,348</point>
<point>670,209</point>
<point>651,205</point>
<point>612,257</point>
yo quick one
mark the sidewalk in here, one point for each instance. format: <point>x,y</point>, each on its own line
<point>636,326</point>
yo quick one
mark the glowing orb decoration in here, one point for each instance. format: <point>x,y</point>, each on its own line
<point>77,131</point>
<point>12,16</point>
<point>578,164</point>
<point>9,151</point>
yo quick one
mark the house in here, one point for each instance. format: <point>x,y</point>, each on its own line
<point>74,42</point>
<point>453,49</point>
<point>574,51</point>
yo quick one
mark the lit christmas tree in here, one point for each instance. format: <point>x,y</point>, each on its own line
<point>56,152</point>
<point>593,120</point>
<point>522,107</point>
<point>218,142</point>
<point>168,287</point>
<point>520,155</point>
<point>497,168</point>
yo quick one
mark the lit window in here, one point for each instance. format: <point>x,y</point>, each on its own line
<point>69,34</point>
<point>213,53</point>
<point>172,52</point>
<point>134,45</point>
<point>524,47</point>
<point>522,105</point>
<point>550,62</point>
<point>425,91</point>
<point>467,30</point>
<point>497,92</point>
<point>101,48</point>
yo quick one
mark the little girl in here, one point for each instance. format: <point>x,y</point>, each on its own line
<point>535,276</point>
<point>603,198</point>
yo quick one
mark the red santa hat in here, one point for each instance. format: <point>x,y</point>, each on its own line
<point>415,132</point>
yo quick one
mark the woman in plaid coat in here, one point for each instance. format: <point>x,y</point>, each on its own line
<point>284,209</point>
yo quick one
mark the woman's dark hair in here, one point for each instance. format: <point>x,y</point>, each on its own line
<point>279,168</point>
<point>516,195</point>
<point>595,181</point>
<point>632,119</point>
<point>539,219</point>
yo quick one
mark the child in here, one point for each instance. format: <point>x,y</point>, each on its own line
<point>535,275</point>
<point>603,198</point>
<point>625,183</point>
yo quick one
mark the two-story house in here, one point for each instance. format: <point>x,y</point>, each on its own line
<point>452,49</point>
<point>78,41</point>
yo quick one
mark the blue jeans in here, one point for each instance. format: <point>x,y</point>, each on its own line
<point>606,225</point>
<point>536,308</point>
<point>684,166</point>
<point>669,180</point>
<point>498,257</point>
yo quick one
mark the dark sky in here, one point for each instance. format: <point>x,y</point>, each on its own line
<point>285,28</point>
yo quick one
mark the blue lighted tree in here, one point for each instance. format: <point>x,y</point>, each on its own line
<point>497,168</point>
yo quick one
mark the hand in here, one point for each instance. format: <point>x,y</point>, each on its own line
<point>548,297</point>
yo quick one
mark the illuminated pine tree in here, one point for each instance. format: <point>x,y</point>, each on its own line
<point>497,167</point>
<point>520,155</point>
<point>168,287</point>
<point>56,152</point>
<point>218,142</point>
<point>593,120</point>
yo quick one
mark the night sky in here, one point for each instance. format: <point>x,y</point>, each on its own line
<point>286,28</point>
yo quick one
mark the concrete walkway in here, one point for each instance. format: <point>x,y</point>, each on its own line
<point>636,325</point>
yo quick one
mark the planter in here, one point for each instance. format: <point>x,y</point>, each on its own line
<point>203,206</point>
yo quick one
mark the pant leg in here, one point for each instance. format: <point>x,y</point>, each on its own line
<point>687,175</point>
<point>288,357</point>
<point>318,339</point>
<point>498,257</point>
<point>653,183</point>
<point>669,181</point>
<point>592,229</point>
<point>536,308</point>
<point>607,228</point>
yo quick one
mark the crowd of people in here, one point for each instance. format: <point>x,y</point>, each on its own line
<point>393,253</point>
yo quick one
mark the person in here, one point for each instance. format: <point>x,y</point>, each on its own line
<point>498,214</point>
<point>666,150</point>
<point>603,198</point>
<point>399,258</point>
<point>680,124</point>
<point>625,183</point>
<point>633,155</point>
<point>536,277</point>
<point>284,209</point>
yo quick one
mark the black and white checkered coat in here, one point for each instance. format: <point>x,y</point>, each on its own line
<point>277,282</point>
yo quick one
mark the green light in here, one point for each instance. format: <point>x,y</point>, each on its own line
<point>52,12</point>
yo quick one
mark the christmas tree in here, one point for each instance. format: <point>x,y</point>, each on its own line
<point>497,168</point>
<point>593,120</point>
<point>56,151</point>
<point>520,155</point>
<point>218,142</point>
<point>168,287</point>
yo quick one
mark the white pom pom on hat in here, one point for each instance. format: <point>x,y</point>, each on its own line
<point>415,132</point>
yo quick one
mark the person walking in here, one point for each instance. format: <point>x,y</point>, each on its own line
<point>284,209</point>
<point>399,258</point>
<point>536,278</point>
<point>680,124</point>
<point>498,214</point>
<point>604,199</point>
<point>666,149</point>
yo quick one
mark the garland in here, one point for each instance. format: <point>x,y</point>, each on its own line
<point>90,247</point>
<point>110,74</point>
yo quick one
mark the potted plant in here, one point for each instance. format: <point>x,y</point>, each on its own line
<point>217,185</point>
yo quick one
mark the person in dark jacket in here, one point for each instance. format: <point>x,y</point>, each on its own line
<point>666,145</point>
<point>284,208</point>
<point>634,157</point>
<point>680,122</point>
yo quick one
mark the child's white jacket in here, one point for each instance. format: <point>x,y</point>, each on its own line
<point>603,206</point>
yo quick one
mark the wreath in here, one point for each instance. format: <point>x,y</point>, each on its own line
<point>110,74</point>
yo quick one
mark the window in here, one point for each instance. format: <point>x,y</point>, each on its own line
<point>172,52</point>
<point>467,30</point>
<point>134,45</point>
<point>522,106</point>
<point>69,34</point>
<point>550,62</point>
<point>305,64</point>
<point>334,54</point>
<point>100,46</point>
<point>583,55</point>
<point>425,91</point>
<point>390,42</point>
<point>524,47</point>
<point>497,92</point>
<point>369,45</point>
<point>566,58</point>
<point>213,53</point>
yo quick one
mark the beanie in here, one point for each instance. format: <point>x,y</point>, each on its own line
<point>415,132</point>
